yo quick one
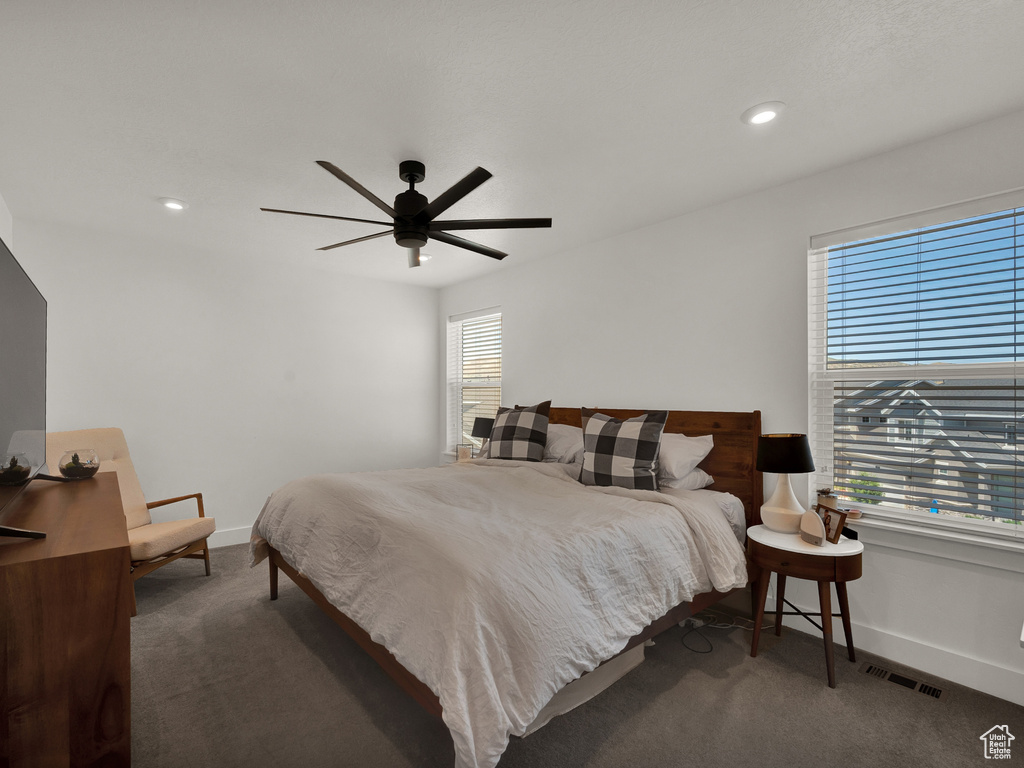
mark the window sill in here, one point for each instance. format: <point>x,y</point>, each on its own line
<point>949,539</point>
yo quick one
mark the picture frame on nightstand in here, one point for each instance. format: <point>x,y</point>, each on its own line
<point>834,521</point>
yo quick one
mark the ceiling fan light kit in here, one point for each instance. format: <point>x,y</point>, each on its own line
<point>414,218</point>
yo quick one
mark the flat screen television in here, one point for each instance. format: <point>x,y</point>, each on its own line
<point>22,379</point>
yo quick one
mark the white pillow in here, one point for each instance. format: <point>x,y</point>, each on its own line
<point>694,481</point>
<point>565,444</point>
<point>679,456</point>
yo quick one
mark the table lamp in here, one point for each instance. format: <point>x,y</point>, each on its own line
<point>482,427</point>
<point>783,455</point>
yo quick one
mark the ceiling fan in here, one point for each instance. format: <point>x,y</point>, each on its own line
<point>414,219</point>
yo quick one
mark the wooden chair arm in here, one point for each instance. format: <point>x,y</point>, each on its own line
<point>163,502</point>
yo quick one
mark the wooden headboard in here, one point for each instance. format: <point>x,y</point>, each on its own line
<point>732,460</point>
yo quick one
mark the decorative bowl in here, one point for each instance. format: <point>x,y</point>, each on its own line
<point>15,469</point>
<point>79,463</point>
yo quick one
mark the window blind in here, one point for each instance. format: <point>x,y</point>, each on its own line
<point>474,373</point>
<point>915,346</point>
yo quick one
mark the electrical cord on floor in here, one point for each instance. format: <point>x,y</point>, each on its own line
<point>701,635</point>
<point>708,619</point>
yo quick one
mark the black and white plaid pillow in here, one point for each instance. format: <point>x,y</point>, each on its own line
<point>622,453</point>
<point>520,433</point>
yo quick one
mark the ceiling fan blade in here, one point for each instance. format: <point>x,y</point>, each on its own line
<point>326,216</point>
<point>340,174</point>
<point>469,245</point>
<point>456,192</point>
<point>488,224</point>
<point>357,240</point>
<point>414,257</point>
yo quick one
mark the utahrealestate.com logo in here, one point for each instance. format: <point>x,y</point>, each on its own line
<point>997,742</point>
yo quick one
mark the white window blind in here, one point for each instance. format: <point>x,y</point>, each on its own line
<point>474,372</point>
<point>915,346</point>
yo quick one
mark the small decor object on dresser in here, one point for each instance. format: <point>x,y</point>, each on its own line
<point>79,464</point>
<point>812,527</point>
<point>15,469</point>
<point>833,520</point>
<point>828,499</point>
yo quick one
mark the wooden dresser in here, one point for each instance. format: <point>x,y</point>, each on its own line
<point>65,676</point>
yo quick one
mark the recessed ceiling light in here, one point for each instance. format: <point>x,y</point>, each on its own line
<point>762,113</point>
<point>174,205</point>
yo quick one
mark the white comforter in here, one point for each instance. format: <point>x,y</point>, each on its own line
<point>497,582</point>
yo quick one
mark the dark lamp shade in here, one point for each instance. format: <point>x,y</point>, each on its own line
<point>784,454</point>
<point>482,427</point>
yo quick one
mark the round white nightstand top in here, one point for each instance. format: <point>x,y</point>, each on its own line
<point>791,542</point>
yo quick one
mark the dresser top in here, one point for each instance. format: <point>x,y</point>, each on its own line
<point>77,517</point>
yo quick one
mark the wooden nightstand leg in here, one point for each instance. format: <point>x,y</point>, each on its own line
<point>825,600</point>
<point>762,596</point>
<point>844,609</point>
<point>780,594</point>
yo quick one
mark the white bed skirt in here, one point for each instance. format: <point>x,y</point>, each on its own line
<point>585,688</point>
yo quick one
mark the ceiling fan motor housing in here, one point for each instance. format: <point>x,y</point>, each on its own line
<point>409,233</point>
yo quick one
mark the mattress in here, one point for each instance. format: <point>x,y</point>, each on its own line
<point>496,583</point>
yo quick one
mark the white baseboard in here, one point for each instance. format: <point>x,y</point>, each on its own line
<point>1003,683</point>
<point>229,536</point>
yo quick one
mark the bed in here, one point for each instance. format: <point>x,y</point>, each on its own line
<point>531,645</point>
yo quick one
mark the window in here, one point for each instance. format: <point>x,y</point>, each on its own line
<point>916,339</point>
<point>474,372</point>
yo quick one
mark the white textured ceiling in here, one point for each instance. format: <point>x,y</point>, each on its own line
<point>604,115</point>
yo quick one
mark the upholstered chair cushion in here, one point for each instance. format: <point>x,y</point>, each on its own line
<point>110,446</point>
<point>149,541</point>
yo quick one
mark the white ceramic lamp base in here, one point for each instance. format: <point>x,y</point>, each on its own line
<point>782,512</point>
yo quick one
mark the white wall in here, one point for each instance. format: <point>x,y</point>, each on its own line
<point>232,381</point>
<point>708,311</point>
<point>6,224</point>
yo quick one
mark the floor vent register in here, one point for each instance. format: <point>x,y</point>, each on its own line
<point>921,687</point>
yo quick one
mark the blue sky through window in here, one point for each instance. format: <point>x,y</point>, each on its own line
<point>947,294</point>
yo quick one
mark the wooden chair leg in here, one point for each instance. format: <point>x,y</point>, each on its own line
<point>206,558</point>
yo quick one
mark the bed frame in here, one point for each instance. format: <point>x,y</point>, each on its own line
<point>731,462</point>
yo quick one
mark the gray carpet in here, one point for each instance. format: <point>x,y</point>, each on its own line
<point>221,676</point>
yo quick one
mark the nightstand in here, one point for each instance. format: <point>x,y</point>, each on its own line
<point>786,554</point>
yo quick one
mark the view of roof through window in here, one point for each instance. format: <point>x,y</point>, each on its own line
<point>919,354</point>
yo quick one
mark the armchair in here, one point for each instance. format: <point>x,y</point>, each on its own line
<point>152,544</point>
